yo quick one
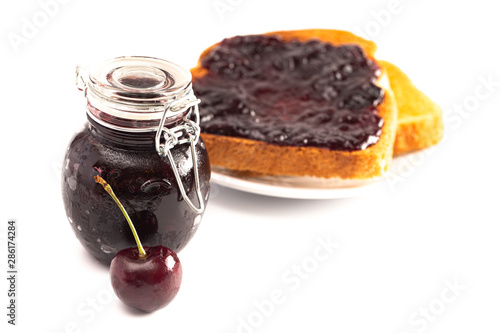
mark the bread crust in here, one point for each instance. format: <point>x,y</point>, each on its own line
<point>241,154</point>
<point>420,120</point>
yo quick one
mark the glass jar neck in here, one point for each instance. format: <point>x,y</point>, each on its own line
<point>121,139</point>
<point>125,139</point>
<point>137,117</point>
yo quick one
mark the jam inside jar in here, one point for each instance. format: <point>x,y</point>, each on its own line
<point>142,137</point>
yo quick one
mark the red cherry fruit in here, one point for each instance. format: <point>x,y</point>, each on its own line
<point>144,278</point>
<point>146,283</point>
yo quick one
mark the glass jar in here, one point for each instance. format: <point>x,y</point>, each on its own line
<point>142,136</point>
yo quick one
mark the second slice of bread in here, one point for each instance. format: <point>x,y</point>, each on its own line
<point>420,120</point>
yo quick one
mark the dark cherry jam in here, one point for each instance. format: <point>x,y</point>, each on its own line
<point>141,140</point>
<point>291,93</point>
<point>141,179</point>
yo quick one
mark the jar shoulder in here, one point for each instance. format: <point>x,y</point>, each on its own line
<point>87,152</point>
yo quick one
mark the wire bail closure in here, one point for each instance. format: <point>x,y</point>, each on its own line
<point>187,132</point>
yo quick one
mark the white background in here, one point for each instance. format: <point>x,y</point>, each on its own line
<point>433,224</point>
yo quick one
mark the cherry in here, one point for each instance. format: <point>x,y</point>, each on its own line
<point>149,282</point>
<point>148,278</point>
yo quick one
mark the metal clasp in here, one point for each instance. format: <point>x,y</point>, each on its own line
<point>188,132</point>
<point>81,79</point>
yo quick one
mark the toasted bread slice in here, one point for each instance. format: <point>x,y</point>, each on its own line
<point>240,154</point>
<point>420,120</point>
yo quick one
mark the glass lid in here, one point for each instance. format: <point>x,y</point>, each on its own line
<point>133,92</point>
<point>139,79</point>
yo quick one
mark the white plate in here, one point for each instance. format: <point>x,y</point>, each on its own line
<point>290,186</point>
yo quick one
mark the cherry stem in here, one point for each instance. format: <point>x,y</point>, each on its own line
<point>107,187</point>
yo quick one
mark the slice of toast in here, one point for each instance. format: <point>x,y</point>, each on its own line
<point>420,120</point>
<point>239,154</point>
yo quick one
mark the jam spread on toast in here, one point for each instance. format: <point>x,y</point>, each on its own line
<point>291,93</point>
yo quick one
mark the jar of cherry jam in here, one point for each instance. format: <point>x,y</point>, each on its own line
<point>143,138</point>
